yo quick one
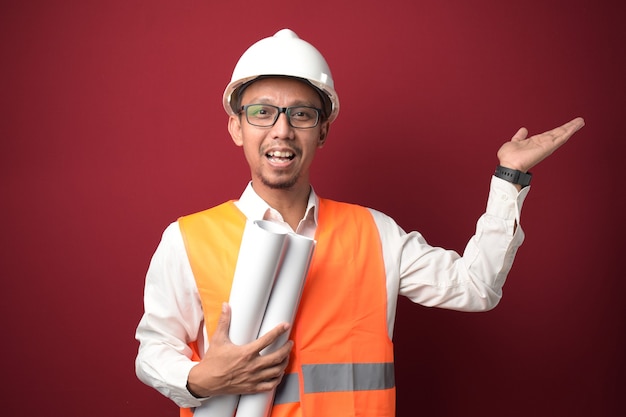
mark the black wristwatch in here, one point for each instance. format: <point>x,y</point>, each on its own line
<point>514,176</point>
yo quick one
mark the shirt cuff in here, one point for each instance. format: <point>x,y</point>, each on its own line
<point>504,200</point>
<point>181,395</point>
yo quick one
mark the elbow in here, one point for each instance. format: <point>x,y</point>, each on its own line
<point>491,304</point>
<point>491,300</point>
<point>485,300</point>
<point>140,371</point>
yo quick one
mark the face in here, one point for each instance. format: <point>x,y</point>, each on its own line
<point>279,156</point>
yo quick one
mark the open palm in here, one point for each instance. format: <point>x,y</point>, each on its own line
<point>523,153</point>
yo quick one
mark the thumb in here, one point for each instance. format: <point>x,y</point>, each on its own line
<point>223,325</point>
<point>520,135</point>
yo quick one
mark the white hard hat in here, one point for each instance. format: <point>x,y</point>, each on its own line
<point>283,54</point>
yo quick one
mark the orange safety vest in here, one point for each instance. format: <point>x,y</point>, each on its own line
<point>341,363</point>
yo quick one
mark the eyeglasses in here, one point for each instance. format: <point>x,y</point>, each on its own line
<point>266,115</point>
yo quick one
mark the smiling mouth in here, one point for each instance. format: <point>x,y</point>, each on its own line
<point>278,156</point>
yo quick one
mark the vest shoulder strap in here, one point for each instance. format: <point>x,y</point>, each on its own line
<point>212,238</point>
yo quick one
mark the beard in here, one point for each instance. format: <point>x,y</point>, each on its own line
<point>279,183</point>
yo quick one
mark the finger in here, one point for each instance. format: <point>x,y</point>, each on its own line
<point>270,337</point>
<point>274,371</point>
<point>273,365</point>
<point>223,325</point>
<point>278,355</point>
<point>520,135</point>
<point>575,124</point>
<point>269,384</point>
<point>567,130</point>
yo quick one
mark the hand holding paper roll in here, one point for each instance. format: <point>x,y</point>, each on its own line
<point>231,369</point>
<point>266,288</point>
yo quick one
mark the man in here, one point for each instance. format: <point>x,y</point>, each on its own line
<point>339,361</point>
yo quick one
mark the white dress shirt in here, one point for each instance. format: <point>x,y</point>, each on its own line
<point>427,275</point>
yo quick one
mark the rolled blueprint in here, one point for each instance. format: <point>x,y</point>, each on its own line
<point>260,254</point>
<point>281,308</point>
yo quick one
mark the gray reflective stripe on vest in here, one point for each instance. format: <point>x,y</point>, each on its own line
<point>287,391</point>
<point>334,378</point>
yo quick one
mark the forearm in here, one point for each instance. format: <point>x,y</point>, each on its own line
<point>472,282</point>
<point>166,371</point>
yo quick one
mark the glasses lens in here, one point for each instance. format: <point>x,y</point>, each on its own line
<point>303,116</point>
<point>261,115</point>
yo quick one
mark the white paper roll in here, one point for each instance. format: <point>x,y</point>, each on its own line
<point>260,254</point>
<point>282,307</point>
<point>287,290</point>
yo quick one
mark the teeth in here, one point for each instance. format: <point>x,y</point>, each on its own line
<point>278,154</point>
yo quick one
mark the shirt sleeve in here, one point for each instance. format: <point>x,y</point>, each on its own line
<point>172,318</point>
<point>436,277</point>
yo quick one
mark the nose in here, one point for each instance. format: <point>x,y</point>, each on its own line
<point>282,129</point>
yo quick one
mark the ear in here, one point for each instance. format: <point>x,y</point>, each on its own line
<point>234,128</point>
<point>323,134</point>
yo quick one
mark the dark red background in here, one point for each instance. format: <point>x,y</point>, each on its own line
<point>111,127</point>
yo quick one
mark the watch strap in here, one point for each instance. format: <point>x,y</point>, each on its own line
<point>513,176</point>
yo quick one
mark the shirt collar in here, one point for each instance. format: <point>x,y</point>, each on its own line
<point>255,208</point>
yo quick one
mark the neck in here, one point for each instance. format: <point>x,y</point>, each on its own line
<point>291,203</point>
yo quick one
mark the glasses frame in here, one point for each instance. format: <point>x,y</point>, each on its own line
<point>286,110</point>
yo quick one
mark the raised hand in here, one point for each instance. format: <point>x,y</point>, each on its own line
<point>232,369</point>
<point>523,153</point>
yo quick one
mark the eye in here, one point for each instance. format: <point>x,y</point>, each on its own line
<point>303,113</point>
<point>260,111</point>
